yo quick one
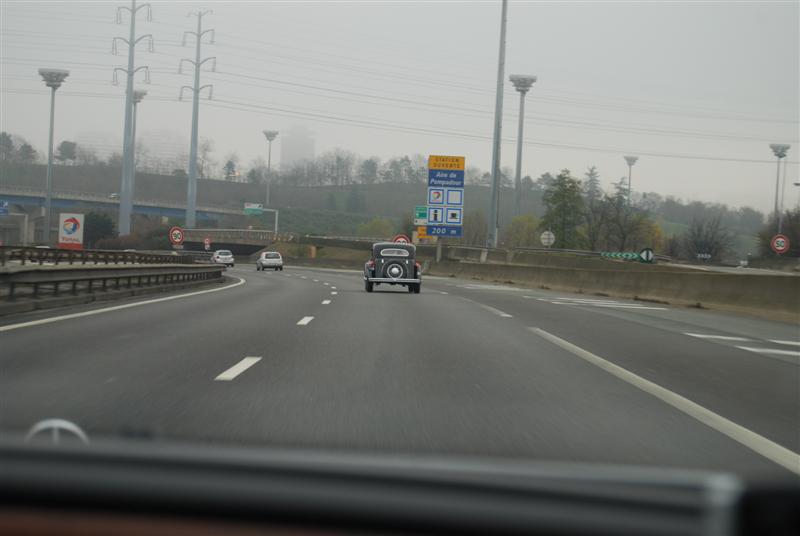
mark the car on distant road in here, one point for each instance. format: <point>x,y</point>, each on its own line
<point>113,196</point>
<point>393,263</point>
<point>269,260</point>
<point>222,256</point>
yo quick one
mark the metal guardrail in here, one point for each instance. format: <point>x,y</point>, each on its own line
<point>88,256</point>
<point>104,278</point>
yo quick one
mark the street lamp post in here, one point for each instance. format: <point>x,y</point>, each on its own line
<point>631,160</point>
<point>138,95</point>
<point>522,83</point>
<point>270,135</point>
<point>53,79</point>
<point>779,150</point>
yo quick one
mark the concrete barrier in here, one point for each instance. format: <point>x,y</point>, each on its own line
<point>774,297</point>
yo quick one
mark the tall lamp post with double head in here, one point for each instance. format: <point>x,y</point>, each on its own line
<point>522,84</point>
<point>270,135</point>
<point>779,150</point>
<point>630,160</point>
<point>53,78</point>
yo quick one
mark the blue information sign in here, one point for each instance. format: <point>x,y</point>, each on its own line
<point>450,231</point>
<point>3,208</point>
<point>446,178</point>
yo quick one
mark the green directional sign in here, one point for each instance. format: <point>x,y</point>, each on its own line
<point>625,255</point>
<point>253,209</point>
<point>421,215</point>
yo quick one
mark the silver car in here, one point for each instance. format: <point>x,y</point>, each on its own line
<point>271,260</point>
<point>222,256</point>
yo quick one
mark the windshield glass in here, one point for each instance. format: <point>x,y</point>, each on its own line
<point>544,231</point>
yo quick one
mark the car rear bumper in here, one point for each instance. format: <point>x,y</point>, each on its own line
<point>390,280</point>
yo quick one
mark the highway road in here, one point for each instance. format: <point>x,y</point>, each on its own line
<point>306,358</point>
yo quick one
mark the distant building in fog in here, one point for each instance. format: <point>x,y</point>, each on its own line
<point>297,144</point>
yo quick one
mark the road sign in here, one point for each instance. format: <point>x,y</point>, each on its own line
<point>70,231</point>
<point>779,244</point>
<point>253,209</point>
<point>3,208</point>
<point>436,196</point>
<point>176,236</point>
<point>207,243</point>
<point>401,239</point>
<point>647,255</point>
<point>422,232</point>
<point>435,215</point>
<point>445,162</point>
<point>548,239</point>
<point>445,214</point>
<point>445,231</point>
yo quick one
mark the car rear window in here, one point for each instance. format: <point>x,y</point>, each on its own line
<point>223,252</point>
<point>394,252</point>
<point>272,256</point>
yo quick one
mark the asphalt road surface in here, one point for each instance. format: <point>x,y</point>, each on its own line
<point>306,358</point>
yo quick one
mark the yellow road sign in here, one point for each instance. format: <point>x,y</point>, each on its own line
<point>422,231</point>
<point>446,162</point>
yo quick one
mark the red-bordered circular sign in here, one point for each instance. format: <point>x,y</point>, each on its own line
<point>176,235</point>
<point>779,244</point>
<point>401,239</point>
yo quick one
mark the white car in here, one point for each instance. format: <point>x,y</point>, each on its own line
<point>271,260</point>
<point>222,256</point>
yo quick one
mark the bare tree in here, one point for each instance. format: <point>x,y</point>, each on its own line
<point>204,162</point>
<point>707,236</point>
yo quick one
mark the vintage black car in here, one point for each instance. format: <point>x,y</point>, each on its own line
<point>393,263</point>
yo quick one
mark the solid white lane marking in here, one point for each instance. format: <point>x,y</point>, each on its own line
<point>326,302</point>
<point>720,337</point>
<point>498,312</point>
<point>237,369</point>
<point>334,293</point>
<point>115,308</point>
<point>305,320</point>
<point>778,341</point>
<point>770,351</point>
<point>763,446</point>
<point>624,306</point>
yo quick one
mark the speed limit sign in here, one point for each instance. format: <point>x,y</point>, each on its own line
<point>779,244</point>
<point>176,236</point>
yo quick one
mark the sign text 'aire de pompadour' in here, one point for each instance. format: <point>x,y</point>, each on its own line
<point>445,196</point>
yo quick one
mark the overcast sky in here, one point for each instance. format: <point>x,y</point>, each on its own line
<point>696,90</point>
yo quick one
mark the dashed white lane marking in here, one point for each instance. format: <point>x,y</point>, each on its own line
<point>326,283</point>
<point>334,293</point>
<point>305,320</point>
<point>334,288</point>
<point>778,341</point>
<point>442,292</point>
<point>326,302</point>
<point>718,337</point>
<point>498,312</point>
<point>770,351</point>
<point>303,277</point>
<point>316,281</point>
<point>763,446</point>
<point>115,308</point>
<point>237,369</point>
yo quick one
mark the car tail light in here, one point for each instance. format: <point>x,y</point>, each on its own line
<point>419,267</point>
<point>371,263</point>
